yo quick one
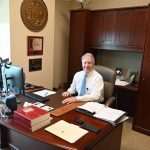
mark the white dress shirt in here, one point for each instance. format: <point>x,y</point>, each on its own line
<point>94,86</point>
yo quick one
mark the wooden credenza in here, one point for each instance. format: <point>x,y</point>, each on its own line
<point>141,121</point>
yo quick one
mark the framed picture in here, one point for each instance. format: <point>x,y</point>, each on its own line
<point>35,45</point>
<point>35,64</point>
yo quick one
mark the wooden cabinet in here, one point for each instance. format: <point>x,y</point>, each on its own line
<point>109,27</point>
<point>141,121</point>
<point>95,33</point>
<point>120,29</point>
<point>77,44</point>
<point>102,29</point>
<point>131,28</point>
<point>126,98</point>
<point>123,27</point>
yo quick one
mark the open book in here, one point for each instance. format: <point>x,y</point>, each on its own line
<point>103,112</point>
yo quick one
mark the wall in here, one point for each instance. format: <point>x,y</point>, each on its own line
<point>61,42</point>
<point>4,29</point>
<point>127,61</point>
<point>18,43</point>
<point>106,4</point>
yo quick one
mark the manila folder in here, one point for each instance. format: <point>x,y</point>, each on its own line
<point>66,131</point>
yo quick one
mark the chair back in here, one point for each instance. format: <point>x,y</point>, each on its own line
<point>109,77</point>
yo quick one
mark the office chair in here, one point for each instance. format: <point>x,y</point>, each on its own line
<point>109,77</point>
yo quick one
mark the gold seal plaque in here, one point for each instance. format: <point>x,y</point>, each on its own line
<point>34,14</point>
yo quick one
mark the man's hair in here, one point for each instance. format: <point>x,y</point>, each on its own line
<point>88,55</point>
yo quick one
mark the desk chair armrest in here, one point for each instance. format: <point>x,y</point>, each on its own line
<point>109,102</point>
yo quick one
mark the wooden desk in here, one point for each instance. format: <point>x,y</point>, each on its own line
<point>17,137</point>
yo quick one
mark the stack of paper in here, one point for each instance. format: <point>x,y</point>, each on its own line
<point>121,83</point>
<point>103,112</point>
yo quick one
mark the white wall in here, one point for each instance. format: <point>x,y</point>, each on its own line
<point>18,39</point>
<point>106,4</point>
<point>4,29</point>
<point>61,42</point>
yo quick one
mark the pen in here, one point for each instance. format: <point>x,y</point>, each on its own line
<point>46,93</point>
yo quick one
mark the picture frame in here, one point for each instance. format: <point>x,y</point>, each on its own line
<point>35,64</point>
<point>35,45</point>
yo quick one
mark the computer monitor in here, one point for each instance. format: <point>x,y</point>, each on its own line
<point>12,79</point>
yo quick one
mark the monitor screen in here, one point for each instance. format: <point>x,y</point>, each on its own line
<point>12,79</point>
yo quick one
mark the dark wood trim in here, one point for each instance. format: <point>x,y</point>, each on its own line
<point>122,8</point>
<point>138,128</point>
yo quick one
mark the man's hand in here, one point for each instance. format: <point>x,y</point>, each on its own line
<point>66,94</point>
<point>69,100</point>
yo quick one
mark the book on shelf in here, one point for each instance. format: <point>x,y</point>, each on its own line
<point>31,115</point>
<point>102,112</point>
<point>34,127</point>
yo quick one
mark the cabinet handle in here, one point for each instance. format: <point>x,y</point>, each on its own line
<point>143,79</point>
<point>129,43</point>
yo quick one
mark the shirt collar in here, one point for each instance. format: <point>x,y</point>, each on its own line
<point>90,73</point>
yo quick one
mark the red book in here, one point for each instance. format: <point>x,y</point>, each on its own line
<point>31,115</point>
<point>35,127</point>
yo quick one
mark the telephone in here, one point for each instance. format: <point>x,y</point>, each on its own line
<point>132,77</point>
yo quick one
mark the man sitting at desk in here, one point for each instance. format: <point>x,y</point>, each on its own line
<point>88,83</point>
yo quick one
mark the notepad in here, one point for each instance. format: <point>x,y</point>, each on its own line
<point>67,131</point>
<point>44,93</point>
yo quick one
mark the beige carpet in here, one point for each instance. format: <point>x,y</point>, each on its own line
<point>132,140</point>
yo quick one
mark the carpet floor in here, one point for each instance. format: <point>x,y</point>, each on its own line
<point>132,140</point>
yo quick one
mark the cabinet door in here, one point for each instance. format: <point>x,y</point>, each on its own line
<point>142,120</point>
<point>109,27</point>
<point>131,28</point>
<point>139,26</point>
<point>76,42</point>
<point>123,27</point>
<point>126,98</point>
<point>96,28</point>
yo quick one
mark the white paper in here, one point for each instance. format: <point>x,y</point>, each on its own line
<point>44,93</point>
<point>92,107</point>
<point>47,108</point>
<point>109,114</point>
<point>121,83</point>
<point>38,104</point>
<point>27,104</point>
<point>66,131</point>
